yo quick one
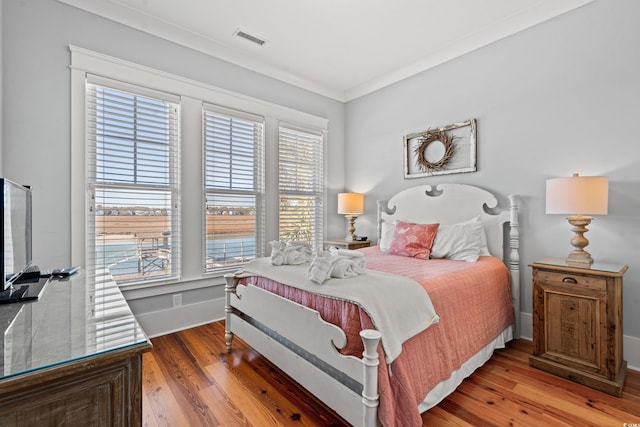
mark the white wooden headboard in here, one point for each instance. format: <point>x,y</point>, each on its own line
<point>454,203</point>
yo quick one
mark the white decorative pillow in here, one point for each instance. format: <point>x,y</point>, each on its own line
<point>464,241</point>
<point>386,236</point>
<point>484,247</point>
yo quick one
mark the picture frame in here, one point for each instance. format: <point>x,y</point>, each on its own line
<point>441,151</point>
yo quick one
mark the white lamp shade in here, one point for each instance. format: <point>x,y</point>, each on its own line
<point>578,195</point>
<point>350,203</point>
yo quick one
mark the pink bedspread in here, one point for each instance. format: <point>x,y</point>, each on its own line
<point>473,301</point>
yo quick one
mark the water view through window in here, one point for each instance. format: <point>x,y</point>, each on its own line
<point>134,244</point>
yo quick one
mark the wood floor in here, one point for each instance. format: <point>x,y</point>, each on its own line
<point>190,380</point>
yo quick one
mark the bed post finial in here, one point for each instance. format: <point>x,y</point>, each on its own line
<point>514,258</point>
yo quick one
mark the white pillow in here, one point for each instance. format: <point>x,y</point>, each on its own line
<point>484,247</point>
<point>386,237</point>
<point>464,241</point>
<point>444,231</point>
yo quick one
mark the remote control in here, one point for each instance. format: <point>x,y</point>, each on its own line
<point>64,272</point>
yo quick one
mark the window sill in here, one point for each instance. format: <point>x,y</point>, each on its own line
<point>138,291</point>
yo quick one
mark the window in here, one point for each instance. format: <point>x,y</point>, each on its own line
<point>301,185</point>
<point>234,187</point>
<point>176,181</point>
<point>133,180</point>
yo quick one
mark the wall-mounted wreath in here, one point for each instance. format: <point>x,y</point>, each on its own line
<point>441,150</point>
<point>428,137</point>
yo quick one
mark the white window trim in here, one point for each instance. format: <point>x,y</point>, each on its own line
<point>84,61</point>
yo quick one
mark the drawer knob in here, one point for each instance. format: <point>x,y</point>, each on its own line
<point>569,280</point>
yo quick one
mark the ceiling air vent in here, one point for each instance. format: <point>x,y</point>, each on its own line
<point>252,38</point>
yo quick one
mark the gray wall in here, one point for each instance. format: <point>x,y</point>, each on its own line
<point>558,98</point>
<point>36,85</point>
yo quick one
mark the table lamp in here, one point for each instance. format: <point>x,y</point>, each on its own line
<point>578,196</point>
<point>351,205</point>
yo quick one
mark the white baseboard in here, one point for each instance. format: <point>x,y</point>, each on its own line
<point>176,319</point>
<point>630,345</point>
<point>526,326</point>
<point>631,348</point>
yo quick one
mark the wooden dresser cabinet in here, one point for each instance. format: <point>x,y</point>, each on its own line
<point>72,358</point>
<point>577,323</point>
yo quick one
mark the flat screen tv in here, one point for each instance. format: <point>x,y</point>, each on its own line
<point>16,231</point>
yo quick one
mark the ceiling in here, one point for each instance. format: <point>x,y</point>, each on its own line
<point>341,49</point>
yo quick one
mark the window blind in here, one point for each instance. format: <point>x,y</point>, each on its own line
<point>234,187</point>
<point>301,185</point>
<point>133,224</point>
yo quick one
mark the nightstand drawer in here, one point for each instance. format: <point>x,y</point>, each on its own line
<point>559,279</point>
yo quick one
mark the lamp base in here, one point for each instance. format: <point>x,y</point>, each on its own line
<point>579,257</point>
<point>351,233</point>
<point>582,259</point>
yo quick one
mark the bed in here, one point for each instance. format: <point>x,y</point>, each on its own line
<point>311,335</point>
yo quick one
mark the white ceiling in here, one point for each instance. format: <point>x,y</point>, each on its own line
<point>342,49</point>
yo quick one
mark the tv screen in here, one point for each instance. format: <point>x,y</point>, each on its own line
<point>16,230</point>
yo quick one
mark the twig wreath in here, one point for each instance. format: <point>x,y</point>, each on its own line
<point>427,138</point>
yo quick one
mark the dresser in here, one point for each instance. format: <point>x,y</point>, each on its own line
<point>577,323</point>
<point>73,357</point>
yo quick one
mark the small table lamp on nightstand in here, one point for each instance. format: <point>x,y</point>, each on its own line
<point>578,196</point>
<point>351,205</point>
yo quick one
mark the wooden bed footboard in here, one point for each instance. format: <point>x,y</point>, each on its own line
<point>306,349</point>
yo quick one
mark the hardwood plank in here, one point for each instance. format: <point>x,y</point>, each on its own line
<point>159,405</point>
<point>148,418</point>
<point>183,382</point>
<point>568,408</point>
<point>224,408</point>
<point>564,390</point>
<point>276,390</point>
<point>190,379</point>
<point>231,385</point>
<point>488,387</point>
<point>439,417</point>
<point>255,407</point>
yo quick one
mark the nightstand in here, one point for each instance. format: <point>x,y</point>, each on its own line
<point>577,323</point>
<point>343,244</point>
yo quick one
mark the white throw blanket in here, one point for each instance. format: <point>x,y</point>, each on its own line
<point>398,307</point>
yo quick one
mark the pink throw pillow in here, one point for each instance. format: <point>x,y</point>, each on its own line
<point>414,240</point>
